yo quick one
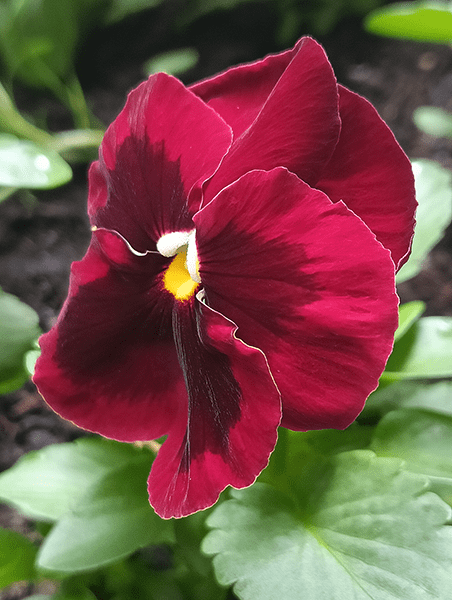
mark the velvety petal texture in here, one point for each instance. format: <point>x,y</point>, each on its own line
<point>371,174</point>
<point>153,160</point>
<point>307,282</point>
<point>297,127</point>
<point>234,412</point>
<point>240,276</point>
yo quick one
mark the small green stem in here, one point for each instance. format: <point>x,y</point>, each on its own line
<point>11,121</point>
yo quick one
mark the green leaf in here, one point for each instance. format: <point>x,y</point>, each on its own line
<point>433,397</point>
<point>423,440</point>
<point>409,313</point>
<point>424,352</point>
<point>19,330</point>
<point>23,164</point>
<point>112,520</point>
<point>47,483</point>
<point>17,557</point>
<point>434,213</point>
<point>364,529</point>
<point>427,21</point>
<point>433,120</point>
<point>174,62</point>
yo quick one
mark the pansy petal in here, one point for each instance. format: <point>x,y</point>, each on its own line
<point>307,283</point>
<point>371,174</point>
<point>109,365</point>
<point>297,127</point>
<point>239,93</point>
<point>154,157</point>
<point>234,412</point>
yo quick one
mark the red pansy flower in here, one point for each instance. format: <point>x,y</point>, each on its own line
<point>240,275</point>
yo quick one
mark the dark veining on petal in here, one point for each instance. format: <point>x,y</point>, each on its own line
<point>234,256</point>
<point>146,195</point>
<point>213,392</point>
<point>111,319</point>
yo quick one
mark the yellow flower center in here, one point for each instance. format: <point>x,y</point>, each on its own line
<point>177,279</point>
<point>181,278</point>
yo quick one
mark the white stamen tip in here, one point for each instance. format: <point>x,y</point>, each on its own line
<point>170,243</point>
<point>192,258</point>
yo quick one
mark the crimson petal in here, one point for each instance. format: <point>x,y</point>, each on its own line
<point>154,158</point>
<point>234,411</point>
<point>109,365</point>
<point>307,283</point>
<point>370,173</point>
<point>297,126</point>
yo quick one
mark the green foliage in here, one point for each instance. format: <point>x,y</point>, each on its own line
<point>48,483</point>
<point>423,440</point>
<point>364,528</point>
<point>427,21</point>
<point>19,331</point>
<point>434,213</point>
<point>23,164</point>
<point>433,120</point>
<point>174,62</point>
<point>110,521</point>
<point>17,556</point>
<point>424,352</point>
<point>409,313</point>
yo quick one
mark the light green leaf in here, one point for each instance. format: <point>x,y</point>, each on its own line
<point>47,483</point>
<point>427,21</point>
<point>425,351</point>
<point>434,213</point>
<point>112,520</point>
<point>23,164</point>
<point>17,557</point>
<point>423,440</point>
<point>174,62</point>
<point>19,330</point>
<point>366,529</point>
<point>433,397</point>
<point>409,313</point>
<point>433,120</point>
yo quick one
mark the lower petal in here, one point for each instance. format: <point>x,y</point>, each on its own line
<point>233,415</point>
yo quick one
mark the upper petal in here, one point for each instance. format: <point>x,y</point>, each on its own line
<point>298,124</point>
<point>307,283</point>
<point>371,174</point>
<point>110,364</point>
<point>153,160</point>
<point>233,413</point>
<point>239,93</point>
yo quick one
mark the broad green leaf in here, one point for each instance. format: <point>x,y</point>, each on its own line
<point>174,62</point>
<point>365,529</point>
<point>47,483</point>
<point>409,313</point>
<point>427,21</point>
<point>19,330</point>
<point>425,351</point>
<point>423,440</point>
<point>434,213</point>
<point>433,120</point>
<point>432,397</point>
<point>17,557</point>
<point>112,520</point>
<point>23,164</point>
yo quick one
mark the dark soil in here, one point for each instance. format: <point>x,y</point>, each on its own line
<point>41,235</point>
